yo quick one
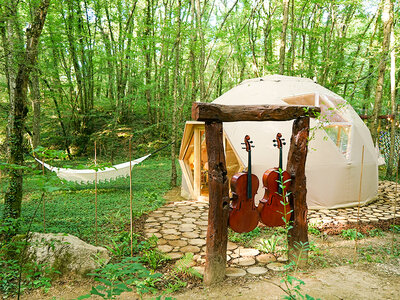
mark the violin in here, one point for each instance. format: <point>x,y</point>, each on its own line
<point>243,216</point>
<point>274,206</point>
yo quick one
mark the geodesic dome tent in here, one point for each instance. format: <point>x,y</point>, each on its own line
<point>334,158</point>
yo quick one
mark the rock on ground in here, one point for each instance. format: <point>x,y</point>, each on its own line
<point>66,253</point>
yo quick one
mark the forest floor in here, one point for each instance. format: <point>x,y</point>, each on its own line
<point>332,274</point>
<point>334,271</point>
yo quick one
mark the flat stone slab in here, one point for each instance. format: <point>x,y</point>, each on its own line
<point>235,272</point>
<point>150,234</point>
<point>186,227</point>
<point>201,223</point>
<point>161,242</point>
<point>265,258</point>
<point>169,226</point>
<point>257,270</point>
<point>231,246</point>
<point>188,220</point>
<point>165,248</point>
<point>175,255</point>
<point>276,266</point>
<point>190,235</point>
<point>191,249</point>
<point>167,231</point>
<point>197,242</point>
<point>244,261</point>
<point>171,237</point>
<point>177,243</point>
<point>249,252</point>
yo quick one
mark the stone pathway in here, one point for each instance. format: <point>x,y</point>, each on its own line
<point>181,227</point>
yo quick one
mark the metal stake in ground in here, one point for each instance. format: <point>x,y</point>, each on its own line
<point>359,201</point>
<point>44,206</point>
<point>95,191</point>
<point>130,193</point>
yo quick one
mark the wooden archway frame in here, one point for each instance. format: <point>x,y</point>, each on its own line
<point>217,232</point>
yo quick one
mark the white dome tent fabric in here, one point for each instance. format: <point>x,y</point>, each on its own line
<point>333,164</point>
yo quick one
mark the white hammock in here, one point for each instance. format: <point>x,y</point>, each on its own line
<point>88,176</point>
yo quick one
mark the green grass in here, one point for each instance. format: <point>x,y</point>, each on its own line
<point>72,210</point>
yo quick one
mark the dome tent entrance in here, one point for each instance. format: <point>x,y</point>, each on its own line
<point>334,158</point>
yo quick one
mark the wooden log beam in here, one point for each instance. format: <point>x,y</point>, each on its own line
<point>218,185</point>
<point>296,164</point>
<point>234,113</point>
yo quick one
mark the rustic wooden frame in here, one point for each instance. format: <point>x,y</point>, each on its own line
<point>217,234</point>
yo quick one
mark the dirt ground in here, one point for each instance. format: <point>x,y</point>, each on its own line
<point>334,273</point>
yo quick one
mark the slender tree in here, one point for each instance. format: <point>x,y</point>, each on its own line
<point>13,196</point>
<point>387,18</point>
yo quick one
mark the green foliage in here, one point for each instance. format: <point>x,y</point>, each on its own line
<point>122,277</point>
<point>70,207</point>
<point>293,288</point>
<point>244,238</point>
<point>379,253</point>
<point>375,232</point>
<point>151,255</point>
<point>269,245</point>
<point>395,228</point>
<point>351,234</point>
<point>313,230</point>
<point>14,262</point>
<point>181,269</point>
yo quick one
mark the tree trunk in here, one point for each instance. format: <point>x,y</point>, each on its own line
<point>389,170</point>
<point>13,196</point>
<point>175,96</point>
<point>387,18</point>
<point>12,43</point>
<point>35,98</point>
<point>283,37</point>
<point>200,34</point>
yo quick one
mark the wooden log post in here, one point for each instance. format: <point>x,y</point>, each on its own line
<point>235,113</point>
<point>217,232</point>
<point>296,164</point>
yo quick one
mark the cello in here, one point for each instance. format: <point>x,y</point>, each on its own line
<point>243,216</point>
<point>274,206</point>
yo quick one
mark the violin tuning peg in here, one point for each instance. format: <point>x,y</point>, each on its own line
<point>282,139</point>
<point>252,146</point>
<point>242,143</point>
<point>274,141</point>
<point>251,142</point>
<point>243,147</point>
<point>284,143</point>
<point>275,145</point>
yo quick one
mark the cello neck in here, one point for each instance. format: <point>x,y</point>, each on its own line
<point>249,183</point>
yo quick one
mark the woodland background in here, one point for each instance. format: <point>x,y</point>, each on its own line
<point>110,70</point>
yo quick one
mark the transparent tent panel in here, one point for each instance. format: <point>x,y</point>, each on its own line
<point>233,165</point>
<point>339,134</point>
<point>188,160</point>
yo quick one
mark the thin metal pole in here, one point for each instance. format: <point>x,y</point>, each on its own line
<point>95,190</point>
<point>130,193</point>
<point>43,203</point>
<point>359,202</point>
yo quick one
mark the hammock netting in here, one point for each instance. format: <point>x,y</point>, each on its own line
<point>89,176</point>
